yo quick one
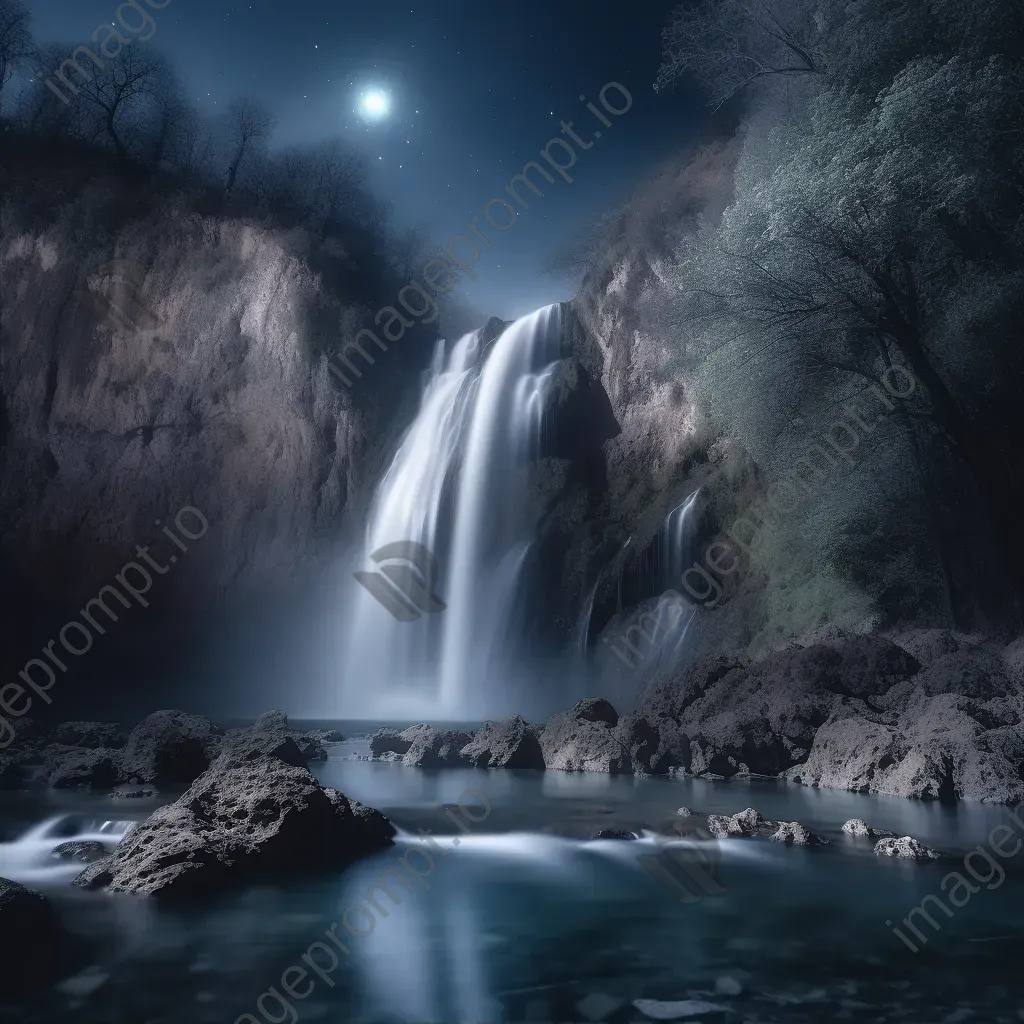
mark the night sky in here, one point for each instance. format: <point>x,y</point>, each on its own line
<point>476,90</point>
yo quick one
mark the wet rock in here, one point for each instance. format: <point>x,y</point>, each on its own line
<point>595,709</point>
<point>761,717</point>
<point>511,743</point>
<point>134,790</point>
<point>615,833</point>
<point>34,942</point>
<point>904,848</point>
<point>684,812</point>
<point>253,743</point>
<point>929,645</point>
<point>792,833</point>
<point>170,748</point>
<point>310,747</point>
<point>654,748</point>
<point>91,735</point>
<point>99,769</point>
<point>96,876</point>
<point>435,748</point>
<point>245,820</point>
<point>858,827</point>
<point>745,823</point>
<point>583,740</point>
<point>939,747</point>
<point>389,741</point>
<point>85,850</point>
<point>271,721</point>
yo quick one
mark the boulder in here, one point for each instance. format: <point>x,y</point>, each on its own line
<point>929,645</point>
<point>76,766</point>
<point>310,746</point>
<point>511,743</point>
<point>792,833</point>
<point>170,748</point>
<point>134,790</point>
<point>389,741</point>
<point>762,717</point>
<point>595,709</point>
<point>271,721</point>
<point>942,747</point>
<point>248,819</point>
<point>654,748</point>
<point>744,823</point>
<point>91,735</point>
<point>858,827</point>
<point>585,744</point>
<point>251,743</point>
<point>905,848</point>
<point>85,850</point>
<point>34,944</point>
<point>430,747</point>
<point>615,833</point>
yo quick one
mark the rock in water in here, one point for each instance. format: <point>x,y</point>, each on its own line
<point>435,748</point>
<point>904,848</point>
<point>73,766</point>
<point>389,741</point>
<point>33,943</point>
<point>792,833</point>
<point>582,740</point>
<point>170,748</point>
<point>857,827</point>
<point>511,743</point>
<point>86,850</point>
<point>246,819</point>
<point>744,823</point>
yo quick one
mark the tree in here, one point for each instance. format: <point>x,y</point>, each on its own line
<point>15,39</point>
<point>728,45</point>
<point>120,87</point>
<point>249,123</point>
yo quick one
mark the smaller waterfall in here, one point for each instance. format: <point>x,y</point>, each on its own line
<point>29,859</point>
<point>652,636</point>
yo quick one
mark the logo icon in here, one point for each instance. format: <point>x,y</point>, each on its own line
<point>117,303</point>
<point>405,583</point>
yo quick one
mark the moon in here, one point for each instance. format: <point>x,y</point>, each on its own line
<point>375,104</point>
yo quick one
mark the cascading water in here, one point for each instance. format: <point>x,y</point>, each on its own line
<point>30,858</point>
<point>457,486</point>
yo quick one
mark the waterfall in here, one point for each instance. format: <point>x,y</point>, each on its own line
<point>457,485</point>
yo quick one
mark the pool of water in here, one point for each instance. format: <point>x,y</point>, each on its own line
<point>492,907</point>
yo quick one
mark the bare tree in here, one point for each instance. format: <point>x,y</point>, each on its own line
<point>120,85</point>
<point>249,123</point>
<point>15,38</point>
<point>729,44</point>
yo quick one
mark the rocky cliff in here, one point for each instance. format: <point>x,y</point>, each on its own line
<point>158,354</point>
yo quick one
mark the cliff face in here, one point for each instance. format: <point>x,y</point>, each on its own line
<point>665,448</point>
<point>155,357</point>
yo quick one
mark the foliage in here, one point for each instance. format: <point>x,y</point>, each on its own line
<point>877,221</point>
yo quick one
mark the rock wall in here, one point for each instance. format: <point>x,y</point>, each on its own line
<point>156,355</point>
